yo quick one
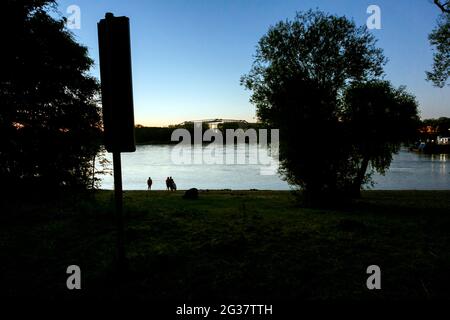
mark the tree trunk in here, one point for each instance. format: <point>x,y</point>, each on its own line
<point>360,177</point>
<point>93,172</point>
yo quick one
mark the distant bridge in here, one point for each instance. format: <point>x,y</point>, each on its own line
<point>215,121</point>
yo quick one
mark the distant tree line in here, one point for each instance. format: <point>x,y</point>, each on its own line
<point>153,135</point>
<point>428,134</point>
<point>430,129</point>
<point>434,127</point>
<point>162,135</point>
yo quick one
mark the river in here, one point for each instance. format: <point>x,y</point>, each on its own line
<point>207,169</point>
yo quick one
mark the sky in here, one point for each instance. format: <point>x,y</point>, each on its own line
<point>188,55</point>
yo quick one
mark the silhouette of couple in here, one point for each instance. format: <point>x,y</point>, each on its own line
<point>170,184</point>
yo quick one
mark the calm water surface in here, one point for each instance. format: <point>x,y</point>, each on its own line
<point>408,171</point>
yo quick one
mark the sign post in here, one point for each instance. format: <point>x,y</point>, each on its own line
<point>117,105</point>
<point>118,197</point>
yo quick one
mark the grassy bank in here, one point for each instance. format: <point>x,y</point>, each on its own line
<point>230,245</point>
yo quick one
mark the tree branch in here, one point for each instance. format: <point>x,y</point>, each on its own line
<point>444,6</point>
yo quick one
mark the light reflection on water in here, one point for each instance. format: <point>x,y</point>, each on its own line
<point>408,171</point>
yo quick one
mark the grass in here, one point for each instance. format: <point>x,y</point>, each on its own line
<point>244,245</point>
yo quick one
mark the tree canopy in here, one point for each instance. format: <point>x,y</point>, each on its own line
<point>50,124</point>
<point>300,76</point>
<point>443,5</point>
<point>378,119</point>
<point>440,40</point>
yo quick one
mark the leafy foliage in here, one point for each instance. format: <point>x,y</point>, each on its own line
<point>379,118</point>
<point>50,124</point>
<point>439,126</point>
<point>300,75</point>
<point>440,39</point>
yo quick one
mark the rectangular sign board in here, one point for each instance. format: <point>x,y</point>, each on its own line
<point>116,83</point>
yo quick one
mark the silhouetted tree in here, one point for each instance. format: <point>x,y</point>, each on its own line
<point>301,70</point>
<point>50,124</point>
<point>440,40</point>
<point>379,119</point>
<point>443,5</point>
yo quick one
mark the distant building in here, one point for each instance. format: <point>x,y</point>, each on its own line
<point>428,130</point>
<point>443,140</point>
<point>214,123</point>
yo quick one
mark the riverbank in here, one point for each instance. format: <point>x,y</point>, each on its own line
<point>244,245</point>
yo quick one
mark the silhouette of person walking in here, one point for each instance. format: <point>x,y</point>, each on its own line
<point>149,183</point>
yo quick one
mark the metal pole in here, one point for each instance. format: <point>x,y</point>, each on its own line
<point>118,194</point>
